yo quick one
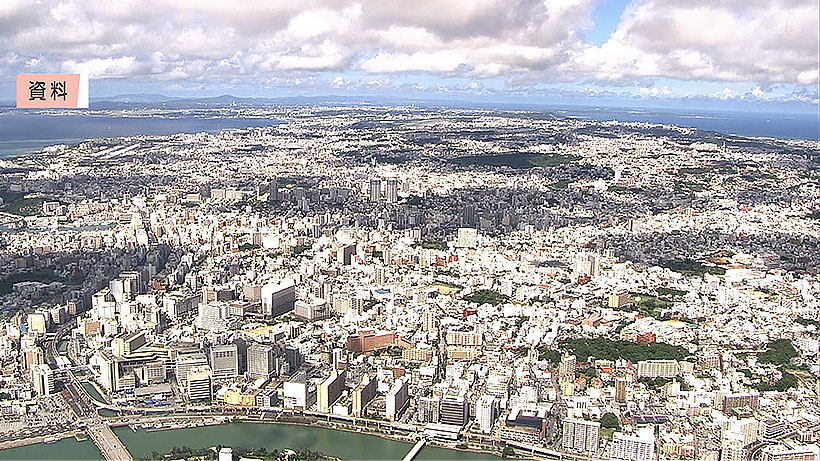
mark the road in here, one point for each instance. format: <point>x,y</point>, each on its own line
<point>109,444</point>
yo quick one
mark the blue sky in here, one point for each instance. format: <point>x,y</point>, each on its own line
<point>736,54</point>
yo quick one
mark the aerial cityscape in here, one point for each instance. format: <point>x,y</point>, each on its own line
<point>389,276</point>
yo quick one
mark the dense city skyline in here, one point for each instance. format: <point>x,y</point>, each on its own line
<point>314,230</point>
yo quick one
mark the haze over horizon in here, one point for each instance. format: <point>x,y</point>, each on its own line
<point>736,55</point>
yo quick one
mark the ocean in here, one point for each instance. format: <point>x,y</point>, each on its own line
<point>24,133</point>
<point>747,124</point>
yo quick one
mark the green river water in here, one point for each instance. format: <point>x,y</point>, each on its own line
<point>344,445</point>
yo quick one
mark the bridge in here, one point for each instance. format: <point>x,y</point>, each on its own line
<point>415,450</point>
<point>109,444</point>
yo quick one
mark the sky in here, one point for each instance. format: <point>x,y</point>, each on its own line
<point>732,54</point>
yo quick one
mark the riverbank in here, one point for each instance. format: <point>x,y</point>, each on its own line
<point>44,439</point>
<point>277,435</point>
<point>344,444</point>
<point>339,427</point>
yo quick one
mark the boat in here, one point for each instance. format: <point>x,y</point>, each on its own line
<point>51,439</point>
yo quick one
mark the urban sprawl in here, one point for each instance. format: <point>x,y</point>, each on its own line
<point>511,282</point>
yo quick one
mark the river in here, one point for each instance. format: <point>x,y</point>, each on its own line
<point>345,445</point>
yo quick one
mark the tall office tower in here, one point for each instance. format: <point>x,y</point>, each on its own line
<point>126,343</point>
<point>634,447</point>
<point>454,409</point>
<point>620,390</point>
<point>586,264</point>
<point>397,399</point>
<point>363,394</point>
<point>330,390</point>
<point>225,361</point>
<point>468,216</point>
<point>199,384</point>
<point>185,362</point>
<point>580,435</point>
<point>428,409</point>
<point>486,412</point>
<point>32,356</point>
<point>375,190</point>
<point>429,319</point>
<point>261,361</point>
<point>293,357</point>
<point>43,379</point>
<point>278,298</point>
<point>392,193</point>
<point>109,371</point>
<point>273,195</point>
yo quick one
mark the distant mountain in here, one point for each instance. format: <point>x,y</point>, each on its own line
<point>135,98</point>
<point>159,100</point>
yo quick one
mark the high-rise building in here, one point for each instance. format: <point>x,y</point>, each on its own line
<point>375,190</point>
<point>392,192</point>
<point>330,390</point>
<point>566,369</point>
<point>273,195</point>
<point>212,316</point>
<point>315,309</point>
<point>37,323</point>
<point>634,447</point>
<point>468,216</point>
<point>397,399</point>
<point>225,361</point>
<point>43,378</point>
<point>586,264</point>
<point>467,237</point>
<point>732,447</point>
<point>126,343</point>
<point>620,390</point>
<point>739,400</point>
<point>199,385</point>
<point>32,356</point>
<point>618,299</point>
<point>278,298</point>
<point>429,319</point>
<point>261,361</point>
<point>297,394</point>
<point>293,358</point>
<point>109,371</point>
<point>454,409</point>
<point>363,394</point>
<point>428,409</point>
<point>486,412</point>
<point>580,435</point>
<point>185,362</point>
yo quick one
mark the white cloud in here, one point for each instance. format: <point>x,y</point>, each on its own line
<point>732,40</point>
<point>527,42</point>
